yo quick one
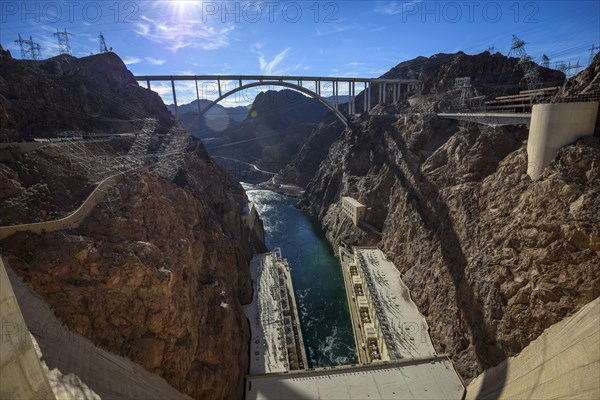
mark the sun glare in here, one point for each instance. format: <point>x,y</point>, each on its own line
<point>182,8</point>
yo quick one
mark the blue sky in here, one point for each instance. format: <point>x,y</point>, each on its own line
<point>324,38</point>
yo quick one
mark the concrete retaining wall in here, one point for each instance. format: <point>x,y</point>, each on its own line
<point>69,222</point>
<point>21,373</point>
<point>554,126</point>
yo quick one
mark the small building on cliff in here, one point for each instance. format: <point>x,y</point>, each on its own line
<point>353,209</point>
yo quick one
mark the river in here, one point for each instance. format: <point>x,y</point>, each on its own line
<point>316,274</point>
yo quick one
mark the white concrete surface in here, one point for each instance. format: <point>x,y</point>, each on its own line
<point>268,347</point>
<point>433,378</point>
<point>77,369</point>
<point>554,126</point>
<point>408,329</point>
<point>563,363</point>
<point>22,375</point>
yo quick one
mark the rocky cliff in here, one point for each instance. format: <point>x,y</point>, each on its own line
<point>159,273</point>
<point>491,257</point>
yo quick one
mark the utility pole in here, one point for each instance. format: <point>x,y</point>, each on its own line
<point>63,41</point>
<point>29,49</point>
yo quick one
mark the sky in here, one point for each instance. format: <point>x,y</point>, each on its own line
<point>312,38</point>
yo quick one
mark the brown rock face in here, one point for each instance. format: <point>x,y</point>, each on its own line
<point>159,278</point>
<point>491,258</point>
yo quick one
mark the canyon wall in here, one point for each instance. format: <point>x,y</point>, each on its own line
<point>491,258</point>
<point>159,273</point>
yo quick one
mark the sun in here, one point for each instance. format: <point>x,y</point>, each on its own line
<point>183,5</point>
<point>181,10</point>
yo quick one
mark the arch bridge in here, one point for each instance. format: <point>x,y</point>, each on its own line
<point>223,86</point>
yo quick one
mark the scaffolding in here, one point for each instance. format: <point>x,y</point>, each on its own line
<point>170,154</point>
<point>138,152</point>
<point>96,159</point>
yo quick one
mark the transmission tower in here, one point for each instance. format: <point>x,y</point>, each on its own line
<point>517,48</point>
<point>103,48</point>
<point>567,68</point>
<point>464,86</point>
<point>29,49</point>
<point>561,66</point>
<point>545,61</point>
<point>593,52</point>
<point>531,75</point>
<point>63,41</point>
<point>491,49</point>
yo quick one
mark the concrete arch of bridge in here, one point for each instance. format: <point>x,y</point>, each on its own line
<point>289,85</point>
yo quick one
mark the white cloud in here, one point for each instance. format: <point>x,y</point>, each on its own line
<point>189,33</point>
<point>396,7</point>
<point>339,29</point>
<point>269,67</point>
<point>154,61</point>
<point>129,60</point>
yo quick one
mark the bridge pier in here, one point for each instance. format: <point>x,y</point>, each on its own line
<point>175,99</point>
<point>198,97</point>
<point>335,94</point>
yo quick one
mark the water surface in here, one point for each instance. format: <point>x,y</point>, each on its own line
<point>316,274</point>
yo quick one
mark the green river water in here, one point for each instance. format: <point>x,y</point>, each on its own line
<point>316,274</point>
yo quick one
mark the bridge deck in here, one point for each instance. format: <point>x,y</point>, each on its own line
<point>494,119</point>
<point>145,78</point>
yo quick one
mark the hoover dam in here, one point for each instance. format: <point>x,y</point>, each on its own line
<point>238,200</point>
